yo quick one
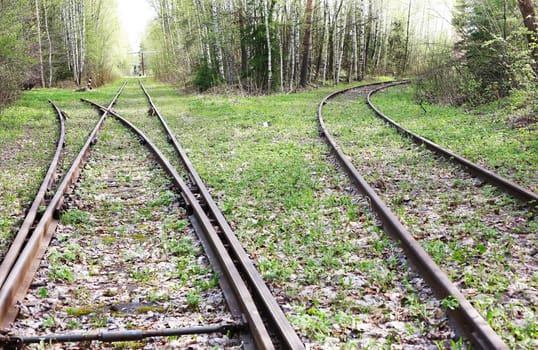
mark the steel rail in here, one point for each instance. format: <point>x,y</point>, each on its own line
<point>114,336</point>
<point>21,274</point>
<point>467,320</point>
<point>39,200</point>
<point>279,322</point>
<point>494,179</point>
<point>249,309</point>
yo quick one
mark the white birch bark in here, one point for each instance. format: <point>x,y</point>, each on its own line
<point>292,49</point>
<point>354,65</point>
<point>341,49</point>
<point>281,53</point>
<point>268,37</point>
<point>82,57</point>
<point>217,32</point>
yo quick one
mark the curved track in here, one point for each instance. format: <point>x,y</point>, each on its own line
<point>496,180</point>
<point>18,279</point>
<point>39,200</point>
<point>468,321</point>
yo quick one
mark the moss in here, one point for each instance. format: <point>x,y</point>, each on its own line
<point>84,310</point>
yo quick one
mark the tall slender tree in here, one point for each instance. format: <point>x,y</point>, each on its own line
<point>39,44</point>
<point>306,44</point>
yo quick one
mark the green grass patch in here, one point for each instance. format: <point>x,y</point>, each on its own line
<point>502,139</point>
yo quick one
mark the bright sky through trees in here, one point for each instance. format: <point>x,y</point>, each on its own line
<point>134,16</point>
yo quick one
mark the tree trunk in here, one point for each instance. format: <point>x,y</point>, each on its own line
<point>40,50</point>
<point>82,13</point>
<point>45,14</point>
<point>242,45</point>
<point>306,44</point>
<point>215,14</point>
<point>335,42</point>
<point>326,45</point>
<point>354,61</point>
<point>341,49</point>
<point>406,55</point>
<point>362,43</point>
<point>321,44</point>
<point>268,37</point>
<point>281,53</point>
<point>291,60</point>
<point>526,7</point>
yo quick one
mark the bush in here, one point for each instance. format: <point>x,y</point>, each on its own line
<point>11,84</point>
<point>206,76</point>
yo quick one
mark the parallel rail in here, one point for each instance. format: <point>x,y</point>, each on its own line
<point>467,320</point>
<point>264,297</point>
<point>494,179</point>
<point>20,275</point>
<point>217,249</point>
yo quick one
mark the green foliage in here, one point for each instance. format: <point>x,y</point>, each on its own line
<point>490,136</point>
<point>193,300</point>
<point>75,217</point>
<point>254,36</point>
<point>397,47</point>
<point>206,77</point>
<point>450,303</point>
<point>492,61</point>
<point>106,49</point>
<point>14,58</point>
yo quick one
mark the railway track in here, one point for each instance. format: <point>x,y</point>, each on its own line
<point>358,278</point>
<point>222,248</point>
<point>486,233</point>
<point>496,180</point>
<point>39,202</point>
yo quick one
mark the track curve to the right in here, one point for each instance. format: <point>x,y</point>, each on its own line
<point>467,319</point>
<point>522,193</point>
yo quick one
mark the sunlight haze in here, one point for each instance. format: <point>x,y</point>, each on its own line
<point>134,16</point>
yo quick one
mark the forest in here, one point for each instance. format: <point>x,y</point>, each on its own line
<point>481,51</point>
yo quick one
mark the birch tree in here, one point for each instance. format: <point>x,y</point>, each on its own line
<point>47,32</point>
<point>269,48</point>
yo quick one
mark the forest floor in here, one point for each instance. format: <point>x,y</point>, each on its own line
<point>311,235</point>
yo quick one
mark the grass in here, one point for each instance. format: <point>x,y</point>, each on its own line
<point>488,136</point>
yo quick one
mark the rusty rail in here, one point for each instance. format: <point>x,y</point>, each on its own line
<point>467,320</point>
<point>242,294</point>
<point>264,297</point>
<point>494,179</point>
<point>39,201</point>
<point>113,336</point>
<point>20,276</point>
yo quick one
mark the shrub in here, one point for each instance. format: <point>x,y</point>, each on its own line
<point>206,77</point>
